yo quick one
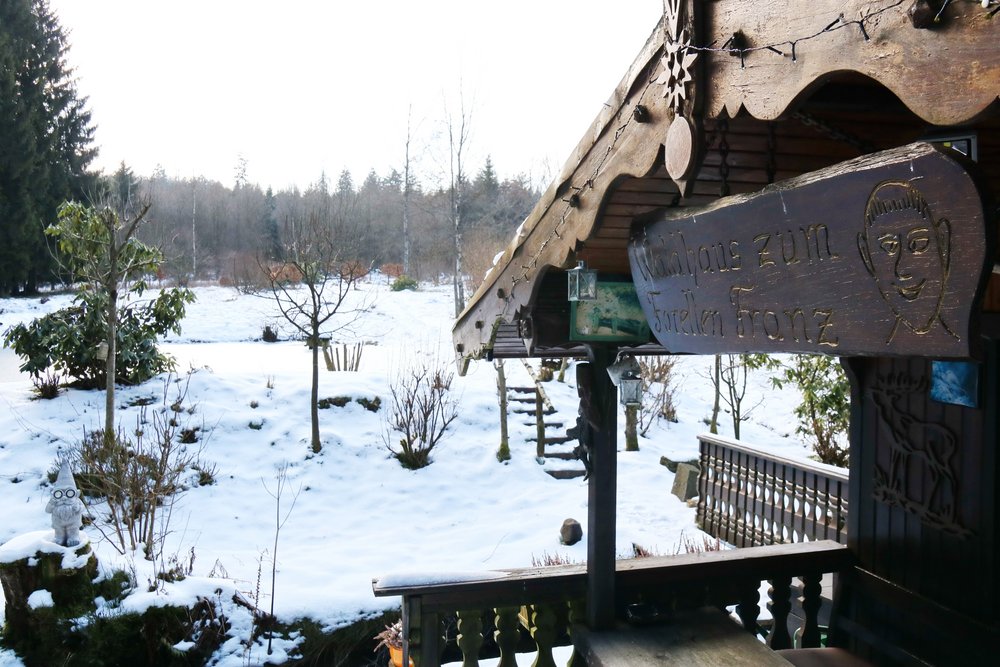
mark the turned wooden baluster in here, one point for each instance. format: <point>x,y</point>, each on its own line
<point>747,609</point>
<point>507,634</point>
<point>543,631</point>
<point>470,636</point>
<point>811,600</point>
<point>779,604</point>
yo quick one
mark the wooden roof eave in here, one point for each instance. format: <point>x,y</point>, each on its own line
<point>616,145</point>
<point>923,68</point>
<point>946,75</point>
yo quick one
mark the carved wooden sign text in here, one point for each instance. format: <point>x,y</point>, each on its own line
<point>882,255</point>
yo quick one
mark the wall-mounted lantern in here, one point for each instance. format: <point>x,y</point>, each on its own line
<point>102,351</point>
<point>626,374</point>
<point>581,283</point>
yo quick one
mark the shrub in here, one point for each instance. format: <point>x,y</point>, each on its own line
<point>336,401</point>
<point>658,391</point>
<point>403,283</point>
<point>68,339</point>
<point>138,478</point>
<point>370,404</point>
<point>421,411</point>
<point>269,334</point>
<point>824,413</point>
<point>48,386</point>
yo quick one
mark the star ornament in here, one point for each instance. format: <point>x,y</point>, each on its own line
<point>676,62</point>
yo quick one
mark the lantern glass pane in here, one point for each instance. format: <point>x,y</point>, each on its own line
<point>631,391</point>
<point>588,285</point>
<point>573,285</point>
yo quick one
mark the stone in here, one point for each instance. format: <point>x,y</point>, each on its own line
<point>685,481</point>
<point>571,532</point>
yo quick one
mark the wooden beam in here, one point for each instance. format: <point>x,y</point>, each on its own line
<point>600,411</point>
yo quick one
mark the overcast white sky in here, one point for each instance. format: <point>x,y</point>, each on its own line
<point>302,86</point>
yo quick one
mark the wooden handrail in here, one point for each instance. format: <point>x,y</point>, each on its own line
<point>537,584</point>
<point>718,578</point>
<point>749,497</point>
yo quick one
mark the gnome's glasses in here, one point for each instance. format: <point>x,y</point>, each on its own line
<point>59,493</point>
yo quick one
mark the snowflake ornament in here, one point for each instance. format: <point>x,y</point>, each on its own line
<point>676,59</point>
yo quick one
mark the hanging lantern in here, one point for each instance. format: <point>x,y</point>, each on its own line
<point>626,374</point>
<point>102,351</point>
<point>582,283</point>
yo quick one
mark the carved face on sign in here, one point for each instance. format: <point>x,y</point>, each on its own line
<point>907,252</point>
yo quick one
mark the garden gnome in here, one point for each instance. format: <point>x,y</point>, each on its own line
<point>66,508</point>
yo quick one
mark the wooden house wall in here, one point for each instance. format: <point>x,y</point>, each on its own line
<point>929,529</point>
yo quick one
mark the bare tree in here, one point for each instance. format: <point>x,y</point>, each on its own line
<point>310,288</point>
<point>458,138</point>
<point>407,182</point>
<point>730,383</point>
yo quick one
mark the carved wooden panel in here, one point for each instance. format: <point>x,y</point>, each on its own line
<point>764,55</point>
<point>924,482</point>
<point>879,255</point>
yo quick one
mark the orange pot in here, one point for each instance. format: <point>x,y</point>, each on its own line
<point>396,656</point>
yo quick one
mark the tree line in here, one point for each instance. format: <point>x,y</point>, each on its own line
<point>209,231</point>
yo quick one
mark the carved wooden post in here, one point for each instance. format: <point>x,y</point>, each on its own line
<point>411,630</point>
<point>543,631</point>
<point>507,634</point>
<point>811,602</point>
<point>470,636</point>
<point>577,614</point>
<point>748,610</point>
<point>598,399</point>
<point>421,635</point>
<point>779,605</point>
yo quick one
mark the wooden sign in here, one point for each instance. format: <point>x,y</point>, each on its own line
<point>882,255</point>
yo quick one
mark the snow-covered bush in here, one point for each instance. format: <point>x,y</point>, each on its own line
<point>421,410</point>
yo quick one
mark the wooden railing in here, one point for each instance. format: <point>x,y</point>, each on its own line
<point>500,613</point>
<point>748,497</point>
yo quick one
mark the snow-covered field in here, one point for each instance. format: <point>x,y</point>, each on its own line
<point>358,514</point>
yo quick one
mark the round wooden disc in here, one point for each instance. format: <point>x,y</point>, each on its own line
<point>679,153</point>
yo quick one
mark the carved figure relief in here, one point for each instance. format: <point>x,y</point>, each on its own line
<point>908,254</point>
<point>915,466</point>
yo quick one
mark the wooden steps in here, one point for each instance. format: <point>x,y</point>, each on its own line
<point>532,400</point>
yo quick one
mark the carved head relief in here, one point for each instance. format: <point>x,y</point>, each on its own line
<point>907,251</point>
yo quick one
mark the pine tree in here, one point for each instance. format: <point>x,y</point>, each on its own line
<point>45,140</point>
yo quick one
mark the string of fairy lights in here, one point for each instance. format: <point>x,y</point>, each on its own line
<point>735,46</point>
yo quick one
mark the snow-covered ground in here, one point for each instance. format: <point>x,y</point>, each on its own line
<point>358,514</point>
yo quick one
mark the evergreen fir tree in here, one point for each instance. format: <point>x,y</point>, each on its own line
<point>45,140</point>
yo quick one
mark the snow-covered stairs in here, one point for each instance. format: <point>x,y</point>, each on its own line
<point>553,446</point>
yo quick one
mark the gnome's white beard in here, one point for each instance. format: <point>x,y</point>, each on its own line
<point>65,512</point>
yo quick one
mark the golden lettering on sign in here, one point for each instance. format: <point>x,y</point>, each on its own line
<point>797,324</point>
<point>908,253</point>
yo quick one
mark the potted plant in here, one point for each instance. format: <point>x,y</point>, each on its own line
<point>392,639</point>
